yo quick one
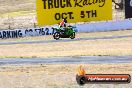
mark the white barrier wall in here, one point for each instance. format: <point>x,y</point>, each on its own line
<point>105,26</point>
<point>47,30</point>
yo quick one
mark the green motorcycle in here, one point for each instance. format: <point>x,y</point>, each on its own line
<point>68,32</point>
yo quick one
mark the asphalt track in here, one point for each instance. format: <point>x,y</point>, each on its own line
<point>69,60</point>
<point>64,40</point>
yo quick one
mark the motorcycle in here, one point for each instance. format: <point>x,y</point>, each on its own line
<point>68,32</point>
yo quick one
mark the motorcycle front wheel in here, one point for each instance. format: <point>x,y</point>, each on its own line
<point>73,35</point>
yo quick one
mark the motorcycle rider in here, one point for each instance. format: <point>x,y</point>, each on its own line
<point>63,24</point>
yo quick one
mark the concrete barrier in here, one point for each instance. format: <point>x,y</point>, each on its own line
<point>105,26</point>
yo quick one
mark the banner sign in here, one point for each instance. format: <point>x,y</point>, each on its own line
<point>53,11</point>
<point>128,9</point>
<point>26,32</point>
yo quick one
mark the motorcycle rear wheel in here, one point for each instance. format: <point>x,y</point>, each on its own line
<point>56,35</point>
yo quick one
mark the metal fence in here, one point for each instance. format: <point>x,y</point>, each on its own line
<point>30,21</point>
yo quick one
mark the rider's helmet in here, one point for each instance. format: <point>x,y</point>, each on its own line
<point>65,20</point>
